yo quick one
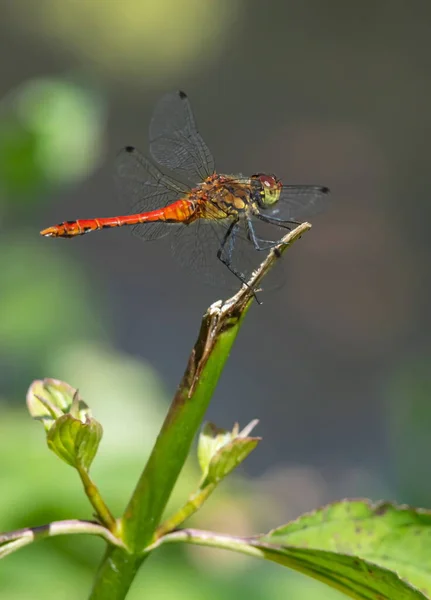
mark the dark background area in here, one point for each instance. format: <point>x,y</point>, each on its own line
<point>336,363</point>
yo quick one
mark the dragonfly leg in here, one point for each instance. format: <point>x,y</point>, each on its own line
<point>225,252</point>
<point>279,222</point>
<point>258,243</point>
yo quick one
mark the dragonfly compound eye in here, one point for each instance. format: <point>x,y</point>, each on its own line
<point>270,189</point>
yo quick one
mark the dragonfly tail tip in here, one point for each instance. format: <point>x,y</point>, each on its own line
<point>48,232</point>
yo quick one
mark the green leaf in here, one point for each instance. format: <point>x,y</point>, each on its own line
<point>393,537</point>
<point>74,441</point>
<point>220,452</point>
<point>211,439</point>
<point>216,448</point>
<point>227,458</point>
<point>49,399</point>
<point>368,551</point>
<point>355,577</point>
<point>342,546</point>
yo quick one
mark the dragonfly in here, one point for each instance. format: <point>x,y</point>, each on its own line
<point>220,223</point>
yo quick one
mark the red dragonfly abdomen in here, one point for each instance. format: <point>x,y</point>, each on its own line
<point>177,212</point>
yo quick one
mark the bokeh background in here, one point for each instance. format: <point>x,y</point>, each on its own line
<point>336,364</point>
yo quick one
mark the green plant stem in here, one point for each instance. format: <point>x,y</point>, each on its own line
<point>173,444</point>
<point>116,574</point>
<point>218,332</point>
<point>93,494</point>
<point>193,504</point>
<point>201,537</point>
<point>14,540</point>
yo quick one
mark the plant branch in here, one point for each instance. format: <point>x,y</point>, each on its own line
<point>93,494</point>
<point>192,505</point>
<point>14,540</point>
<point>209,538</point>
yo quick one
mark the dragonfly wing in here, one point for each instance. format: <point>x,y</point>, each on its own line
<point>143,188</point>
<point>299,202</point>
<point>196,246</point>
<point>175,142</point>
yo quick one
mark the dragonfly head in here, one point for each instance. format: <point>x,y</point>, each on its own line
<point>268,189</point>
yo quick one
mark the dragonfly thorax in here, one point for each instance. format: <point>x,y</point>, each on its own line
<point>221,197</point>
<point>268,189</point>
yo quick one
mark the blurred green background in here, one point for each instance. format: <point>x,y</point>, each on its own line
<point>336,364</point>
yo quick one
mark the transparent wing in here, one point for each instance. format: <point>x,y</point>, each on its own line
<point>299,202</point>
<point>142,188</point>
<point>175,142</point>
<point>196,246</point>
